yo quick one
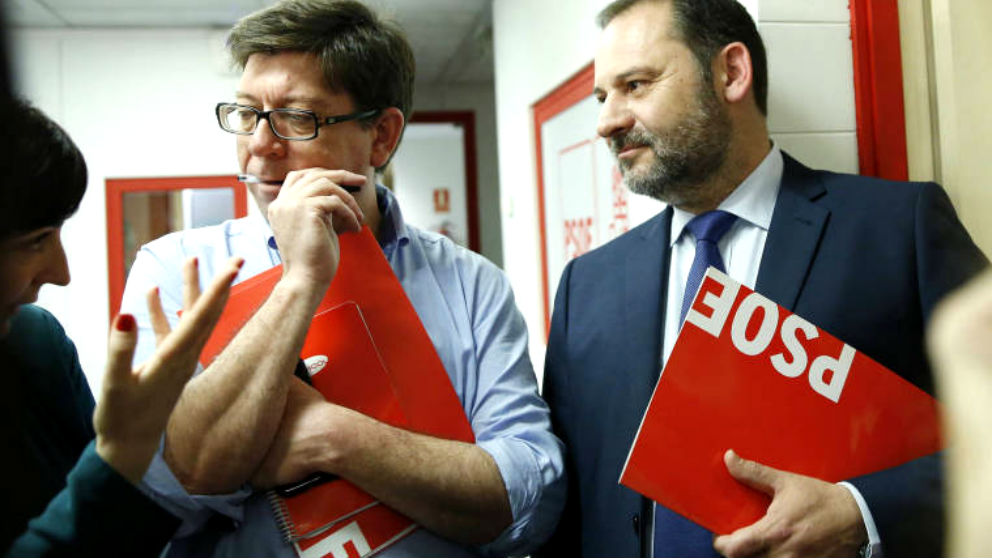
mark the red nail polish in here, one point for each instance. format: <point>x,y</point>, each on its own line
<point>125,322</point>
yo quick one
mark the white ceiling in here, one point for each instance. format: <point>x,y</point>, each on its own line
<point>451,39</point>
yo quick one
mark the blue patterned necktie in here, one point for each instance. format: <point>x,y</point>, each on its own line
<point>675,535</point>
<point>708,228</point>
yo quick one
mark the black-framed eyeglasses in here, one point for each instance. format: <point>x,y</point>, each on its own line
<point>285,123</point>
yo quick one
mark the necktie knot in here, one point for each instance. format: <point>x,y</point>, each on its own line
<point>708,228</point>
<point>711,226</point>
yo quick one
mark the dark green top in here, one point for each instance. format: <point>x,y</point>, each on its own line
<point>50,470</point>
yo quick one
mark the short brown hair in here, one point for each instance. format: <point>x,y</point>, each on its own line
<point>361,54</point>
<point>706,26</point>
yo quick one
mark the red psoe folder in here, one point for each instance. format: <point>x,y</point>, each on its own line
<point>748,375</point>
<point>367,350</point>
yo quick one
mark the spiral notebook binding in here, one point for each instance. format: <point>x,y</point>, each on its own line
<point>283,521</point>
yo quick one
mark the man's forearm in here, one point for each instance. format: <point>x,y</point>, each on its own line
<point>452,488</point>
<point>228,415</point>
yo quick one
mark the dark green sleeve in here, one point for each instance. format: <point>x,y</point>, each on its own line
<point>98,513</point>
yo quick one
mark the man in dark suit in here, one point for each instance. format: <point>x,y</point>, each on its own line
<point>683,87</point>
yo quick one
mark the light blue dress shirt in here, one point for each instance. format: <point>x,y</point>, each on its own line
<point>466,305</point>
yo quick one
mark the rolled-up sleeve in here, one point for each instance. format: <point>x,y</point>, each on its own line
<point>193,510</point>
<point>511,421</point>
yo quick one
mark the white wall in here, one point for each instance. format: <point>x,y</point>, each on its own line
<point>105,88</point>
<point>539,45</point>
<point>811,81</point>
<point>432,158</point>
<point>481,100</point>
<point>961,41</point>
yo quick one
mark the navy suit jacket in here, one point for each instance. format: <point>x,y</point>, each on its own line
<point>862,258</point>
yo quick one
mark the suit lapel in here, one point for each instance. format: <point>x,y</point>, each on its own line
<point>793,236</point>
<point>645,288</point>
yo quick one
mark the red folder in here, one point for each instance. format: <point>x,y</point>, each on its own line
<point>748,375</point>
<point>367,350</point>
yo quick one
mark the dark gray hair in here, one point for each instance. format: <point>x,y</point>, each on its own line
<point>706,26</point>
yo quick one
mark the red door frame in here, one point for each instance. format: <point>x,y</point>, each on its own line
<point>115,189</point>
<point>466,120</point>
<point>878,90</point>
<point>575,89</point>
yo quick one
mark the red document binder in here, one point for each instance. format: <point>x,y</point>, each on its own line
<point>366,349</point>
<point>746,374</point>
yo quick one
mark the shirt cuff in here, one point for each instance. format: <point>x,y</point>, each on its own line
<point>162,486</point>
<point>533,492</point>
<point>873,539</point>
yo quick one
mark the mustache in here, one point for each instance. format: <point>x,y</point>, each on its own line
<point>632,138</point>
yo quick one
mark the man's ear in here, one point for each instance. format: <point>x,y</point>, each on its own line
<point>386,134</point>
<point>735,73</point>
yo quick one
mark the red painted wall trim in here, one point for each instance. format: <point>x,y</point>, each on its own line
<point>573,90</point>
<point>878,90</point>
<point>115,189</point>
<point>465,119</point>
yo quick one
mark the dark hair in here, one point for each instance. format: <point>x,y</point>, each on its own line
<point>361,55</point>
<point>42,170</point>
<point>706,26</point>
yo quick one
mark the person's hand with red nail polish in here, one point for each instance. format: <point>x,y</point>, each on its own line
<point>136,403</point>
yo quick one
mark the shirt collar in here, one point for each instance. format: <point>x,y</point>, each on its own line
<point>393,231</point>
<point>753,200</point>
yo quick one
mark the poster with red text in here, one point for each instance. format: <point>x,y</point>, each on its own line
<point>748,375</point>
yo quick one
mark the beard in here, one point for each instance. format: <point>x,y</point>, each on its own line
<point>685,155</point>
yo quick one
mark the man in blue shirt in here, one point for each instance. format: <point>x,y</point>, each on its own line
<point>321,105</point>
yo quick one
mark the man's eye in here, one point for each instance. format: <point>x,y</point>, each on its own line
<point>634,85</point>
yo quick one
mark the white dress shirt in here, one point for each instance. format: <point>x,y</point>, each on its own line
<point>741,248</point>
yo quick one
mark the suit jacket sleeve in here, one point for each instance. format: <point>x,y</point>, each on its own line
<point>98,513</point>
<point>907,502</point>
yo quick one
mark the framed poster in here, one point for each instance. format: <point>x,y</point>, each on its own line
<point>582,201</point>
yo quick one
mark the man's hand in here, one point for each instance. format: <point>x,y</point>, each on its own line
<point>305,440</point>
<point>310,210</point>
<point>807,516</point>
<point>136,404</point>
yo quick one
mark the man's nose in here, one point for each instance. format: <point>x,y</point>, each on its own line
<point>614,118</point>
<point>263,142</point>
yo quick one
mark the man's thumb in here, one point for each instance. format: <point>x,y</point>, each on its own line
<point>751,473</point>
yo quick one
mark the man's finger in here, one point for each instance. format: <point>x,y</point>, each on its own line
<point>324,187</point>
<point>120,350</point>
<point>191,282</point>
<point>751,473</point>
<point>746,541</point>
<point>160,323</point>
<point>343,216</point>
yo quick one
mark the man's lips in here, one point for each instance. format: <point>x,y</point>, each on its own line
<point>629,150</point>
